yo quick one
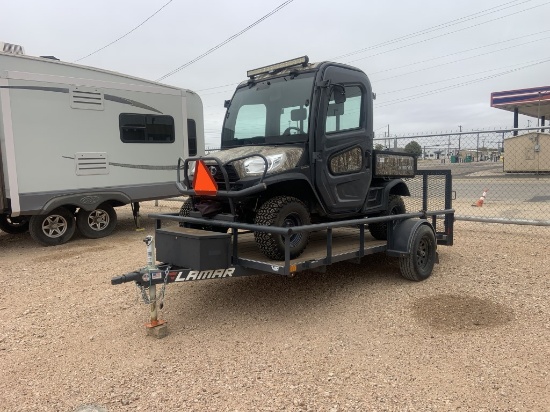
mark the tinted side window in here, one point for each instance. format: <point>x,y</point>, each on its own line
<point>347,115</point>
<point>146,128</point>
<point>192,137</point>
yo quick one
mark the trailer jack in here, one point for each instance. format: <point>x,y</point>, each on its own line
<point>135,213</point>
<point>156,327</point>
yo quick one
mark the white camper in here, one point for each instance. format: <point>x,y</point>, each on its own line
<point>77,141</point>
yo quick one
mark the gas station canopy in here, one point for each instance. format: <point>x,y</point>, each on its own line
<point>534,102</point>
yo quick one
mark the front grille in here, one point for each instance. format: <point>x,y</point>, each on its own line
<point>220,180</point>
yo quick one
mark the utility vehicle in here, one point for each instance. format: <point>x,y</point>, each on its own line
<point>297,148</point>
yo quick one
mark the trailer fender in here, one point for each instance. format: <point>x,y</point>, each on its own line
<point>402,236</point>
<point>86,201</point>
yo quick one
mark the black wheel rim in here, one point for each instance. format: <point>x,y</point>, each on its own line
<point>423,253</point>
<point>292,220</point>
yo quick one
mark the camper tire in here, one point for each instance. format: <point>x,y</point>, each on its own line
<point>14,225</point>
<point>97,223</point>
<point>396,206</point>
<point>55,228</point>
<point>282,211</point>
<point>419,263</point>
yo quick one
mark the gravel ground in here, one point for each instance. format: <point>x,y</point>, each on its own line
<point>473,337</point>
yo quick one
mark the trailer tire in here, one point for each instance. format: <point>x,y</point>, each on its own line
<point>55,228</point>
<point>282,211</point>
<point>98,223</point>
<point>396,206</point>
<point>418,265</point>
<point>14,225</point>
<point>185,210</point>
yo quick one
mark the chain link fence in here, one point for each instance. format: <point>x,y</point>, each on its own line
<point>500,176</point>
<point>510,166</point>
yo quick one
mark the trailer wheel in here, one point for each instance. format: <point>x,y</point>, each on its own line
<point>55,228</point>
<point>185,210</point>
<point>14,225</point>
<point>283,211</point>
<point>98,223</point>
<point>396,206</point>
<point>418,265</point>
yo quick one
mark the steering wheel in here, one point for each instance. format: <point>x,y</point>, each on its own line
<point>288,129</point>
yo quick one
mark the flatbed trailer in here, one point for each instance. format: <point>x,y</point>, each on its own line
<point>189,254</point>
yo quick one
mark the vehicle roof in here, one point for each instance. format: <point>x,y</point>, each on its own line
<point>91,68</point>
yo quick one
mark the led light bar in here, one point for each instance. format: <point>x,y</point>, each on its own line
<point>277,66</point>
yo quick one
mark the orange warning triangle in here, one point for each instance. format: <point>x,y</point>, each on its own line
<point>203,182</point>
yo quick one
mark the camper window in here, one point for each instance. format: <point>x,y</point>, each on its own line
<point>146,128</point>
<point>192,136</point>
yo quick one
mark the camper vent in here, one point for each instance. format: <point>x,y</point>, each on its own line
<point>11,48</point>
<point>88,99</point>
<point>91,163</point>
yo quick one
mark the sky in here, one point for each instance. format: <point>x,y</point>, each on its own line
<point>433,64</point>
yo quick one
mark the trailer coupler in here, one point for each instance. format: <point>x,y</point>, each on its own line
<point>146,280</point>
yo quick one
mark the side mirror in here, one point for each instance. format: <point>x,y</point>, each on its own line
<point>339,93</point>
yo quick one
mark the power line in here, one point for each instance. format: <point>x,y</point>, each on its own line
<point>429,60</point>
<point>437,27</point>
<point>460,60</point>
<point>460,52</point>
<point>452,78</point>
<point>433,28</point>
<point>124,35</point>
<point>281,6</point>
<point>430,92</point>
<point>451,32</point>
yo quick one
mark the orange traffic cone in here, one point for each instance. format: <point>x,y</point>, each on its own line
<point>479,203</point>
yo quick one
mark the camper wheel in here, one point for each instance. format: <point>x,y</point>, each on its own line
<point>14,225</point>
<point>98,223</point>
<point>54,228</point>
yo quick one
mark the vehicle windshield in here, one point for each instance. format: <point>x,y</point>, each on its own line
<point>270,112</point>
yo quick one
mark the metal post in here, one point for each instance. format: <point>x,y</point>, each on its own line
<point>477,148</point>
<point>516,120</point>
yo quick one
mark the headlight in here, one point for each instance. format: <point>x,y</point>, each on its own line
<point>256,165</point>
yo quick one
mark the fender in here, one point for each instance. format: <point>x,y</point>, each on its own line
<point>387,187</point>
<point>395,187</point>
<point>87,201</point>
<point>275,182</point>
<point>402,234</point>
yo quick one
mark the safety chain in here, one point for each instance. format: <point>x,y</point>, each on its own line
<point>142,290</point>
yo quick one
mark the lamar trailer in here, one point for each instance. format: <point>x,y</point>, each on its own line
<point>189,254</point>
<point>77,141</point>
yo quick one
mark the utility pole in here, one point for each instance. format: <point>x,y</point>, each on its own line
<point>459,137</point>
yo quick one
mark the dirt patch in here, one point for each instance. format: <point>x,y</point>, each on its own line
<point>460,313</point>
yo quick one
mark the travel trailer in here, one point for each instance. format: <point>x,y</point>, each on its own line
<point>77,142</point>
